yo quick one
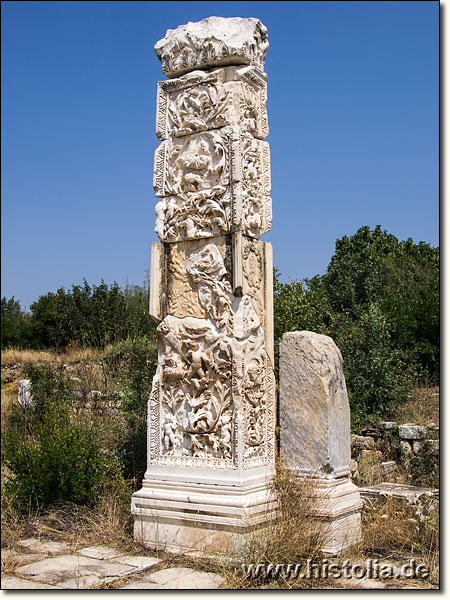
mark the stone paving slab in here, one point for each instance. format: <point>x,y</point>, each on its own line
<point>411,493</point>
<point>184,579</point>
<point>142,585</point>
<point>82,583</point>
<point>62,569</point>
<point>142,562</point>
<point>15,583</point>
<point>43,547</point>
<point>366,584</point>
<point>100,552</point>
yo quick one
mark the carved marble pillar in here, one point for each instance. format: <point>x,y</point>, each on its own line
<point>211,414</point>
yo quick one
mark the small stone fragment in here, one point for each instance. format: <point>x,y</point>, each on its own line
<point>362,442</point>
<point>388,467</point>
<point>410,431</point>
<point>417,447</point>
<point>405,448</point>
<point>388,425</point>
<point>25,398</point>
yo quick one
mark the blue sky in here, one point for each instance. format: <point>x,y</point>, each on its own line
<point>354,131</point>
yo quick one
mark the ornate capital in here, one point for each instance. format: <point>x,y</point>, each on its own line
<point>213,42</point>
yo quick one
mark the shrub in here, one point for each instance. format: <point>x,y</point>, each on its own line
<point>60,459</point>
<point>91,316</point>
<point>424,466</point>
<point>377,373</point>
<point>52,452</point>
<point>16,325</point>
<point>134,362</point>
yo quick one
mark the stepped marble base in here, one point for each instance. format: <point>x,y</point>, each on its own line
<point>198,518</point>
<point>338,510</point>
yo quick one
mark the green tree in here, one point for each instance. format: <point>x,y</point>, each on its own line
<point>91,316</point>
<point>16,324</point>
<point>401,277</point>
<point>379,301</point>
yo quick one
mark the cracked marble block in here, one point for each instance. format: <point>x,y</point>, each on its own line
<point>315,432</point>
<point>211,413</point>
<point>212,182</point>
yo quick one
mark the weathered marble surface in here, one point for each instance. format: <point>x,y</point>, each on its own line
<point>315,434</point>
<point>211,432</point>
<point>212,42</point>
<point>207,100</point>
<point>411,432</point>
<point>25,397</point>
<point>314,409</point>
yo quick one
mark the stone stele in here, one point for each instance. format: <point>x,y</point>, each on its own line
<point>315,432</point>
<point>211,413</point>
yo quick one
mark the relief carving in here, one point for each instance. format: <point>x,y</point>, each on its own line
<point>211,183</point>
<point>203,363</point>
<point>197,109</point>
<point>213,396</point>
<point>255,218</point>
<point>213,42</point>
<point>195,181</point>
<point>199,102</point>
<point>253,272</point>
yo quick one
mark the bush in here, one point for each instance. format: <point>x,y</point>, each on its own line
<point>401,277</point>
<point>424,466</point>
<point>52,452</point>
<point>16,325</point>
<point>378,374</point>
<point>91,316</point>
<point>379,302</point>
<point>134,362</point>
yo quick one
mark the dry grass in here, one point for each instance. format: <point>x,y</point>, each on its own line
<point>394,529</point>
<point>72,354</point>
<point>421,409</point>
<point>292,538</point>
<point>371,472</point>
<point>9,398</point>
<point>108,524</point>
<point>392,532</point>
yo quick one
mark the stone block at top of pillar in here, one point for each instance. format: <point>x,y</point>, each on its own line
<point>314,408</point>
<point>212,42</point>
<point>201,101</point>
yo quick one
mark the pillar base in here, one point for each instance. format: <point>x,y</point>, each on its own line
<point>337,508</point>
<point>199,519</point>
